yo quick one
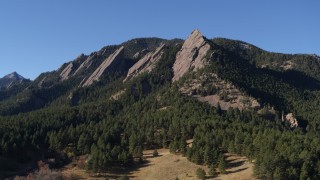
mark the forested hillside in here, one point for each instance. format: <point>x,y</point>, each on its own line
<point>113,120</point>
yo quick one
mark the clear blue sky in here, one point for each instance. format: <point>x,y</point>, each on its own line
<point>40,35</point>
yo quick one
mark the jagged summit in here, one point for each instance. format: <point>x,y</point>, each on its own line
<point>169,59</point>
<point>14,76</point>
<point>191,55</point>
<point>11,79</point>
<point>196,32</point>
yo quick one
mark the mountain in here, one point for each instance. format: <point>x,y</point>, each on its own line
<point>146,93</point>
<point>11,80</point>
<point>192,55</point>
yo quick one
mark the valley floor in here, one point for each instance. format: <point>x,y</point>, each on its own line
<point>169,166</point>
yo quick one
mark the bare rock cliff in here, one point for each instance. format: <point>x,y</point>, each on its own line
<point>95,76</point>
<point>87,63</point>
<point>69,70</point>
<point>192,55</point>
<point>146,64</point>
<point>66,72</point>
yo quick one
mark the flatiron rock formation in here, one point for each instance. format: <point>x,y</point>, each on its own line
<point>192,55</point>
<point>146,64</point>
<point>87,63</point>
<point>69,70</point>
<point>66,72</point>
<point>95,76</point>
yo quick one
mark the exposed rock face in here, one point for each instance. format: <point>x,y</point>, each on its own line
<point>86,64</point>
<point>140,54</point>
<point>288,65</point>
<point>146,64</point>
<point>245,46</point>
<point>95,76</point>
<point>42,81</point>
<point>66,72</point>
<point>291,119</point>
<point>69,70</point>
<point>208,87</point>
<point>118,95</point>
<point>192,55</point>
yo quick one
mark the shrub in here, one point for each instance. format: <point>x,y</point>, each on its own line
<point>155,153</point>
<point>201,174</point>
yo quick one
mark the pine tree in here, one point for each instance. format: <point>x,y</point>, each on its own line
<point>304,174</point>
<point>81,144</point>
<point>222,165</point>
<point>218,109</point>
<point>155,153</point>
<point>201,174</point>
<point>183,146</point>
<point>212,171</point>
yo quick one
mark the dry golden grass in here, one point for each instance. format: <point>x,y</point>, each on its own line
<point>169,166</point>
<point>239,168</point>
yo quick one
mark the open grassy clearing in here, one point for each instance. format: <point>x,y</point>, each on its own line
<point>168,166</point>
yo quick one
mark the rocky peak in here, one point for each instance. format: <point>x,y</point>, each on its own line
<point>196,32</point>
<point>192,55</point>
<point>95,76</point>
<point>11,79</point>
<point>14,76</point>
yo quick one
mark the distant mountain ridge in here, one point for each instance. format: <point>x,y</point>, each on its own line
<point>11,79</point>
<point>142,56</point>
